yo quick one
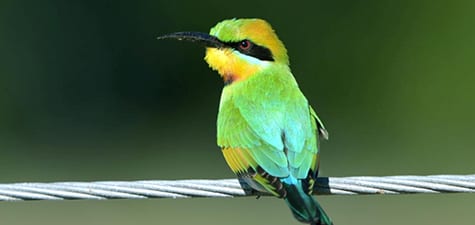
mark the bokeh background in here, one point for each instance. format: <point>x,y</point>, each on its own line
<point>87,93</point>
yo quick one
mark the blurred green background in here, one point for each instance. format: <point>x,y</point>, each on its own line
<point>87,93</point>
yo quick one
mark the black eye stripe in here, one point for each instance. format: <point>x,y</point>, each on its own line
<point>253,50</point>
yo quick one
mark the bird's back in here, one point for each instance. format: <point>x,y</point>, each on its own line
<point>269,116</point>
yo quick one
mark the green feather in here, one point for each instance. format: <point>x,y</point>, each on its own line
<point>268,114</point>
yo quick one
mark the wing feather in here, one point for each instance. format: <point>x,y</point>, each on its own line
<point>271,118</point>
<point>236,131</point>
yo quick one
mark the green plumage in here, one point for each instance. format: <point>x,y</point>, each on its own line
<point>268,132</point>
<point>268,115</point>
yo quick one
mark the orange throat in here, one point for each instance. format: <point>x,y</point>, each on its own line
<point>230,66</point>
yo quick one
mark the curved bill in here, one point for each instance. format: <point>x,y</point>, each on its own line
<point>198,37</point>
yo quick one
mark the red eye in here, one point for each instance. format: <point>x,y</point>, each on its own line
<point>245,45</point>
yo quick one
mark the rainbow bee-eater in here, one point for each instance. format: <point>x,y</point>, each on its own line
<point>268,133</point>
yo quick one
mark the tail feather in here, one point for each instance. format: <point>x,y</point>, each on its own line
<point>304,207</point>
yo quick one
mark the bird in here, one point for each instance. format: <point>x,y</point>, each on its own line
<point>267,131</point>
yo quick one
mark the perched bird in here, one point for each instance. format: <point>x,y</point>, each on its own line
<point>268,133</point>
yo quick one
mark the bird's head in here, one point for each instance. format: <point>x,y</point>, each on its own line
<point>238,48</point>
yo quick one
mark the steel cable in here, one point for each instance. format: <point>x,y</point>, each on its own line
<point>230,188</point>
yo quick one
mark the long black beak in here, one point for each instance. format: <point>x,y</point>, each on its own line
<point>198,37</point>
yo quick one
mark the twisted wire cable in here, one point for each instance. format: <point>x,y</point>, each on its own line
<point>102,190</point>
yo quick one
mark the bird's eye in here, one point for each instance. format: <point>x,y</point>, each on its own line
<point>245,45</point>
